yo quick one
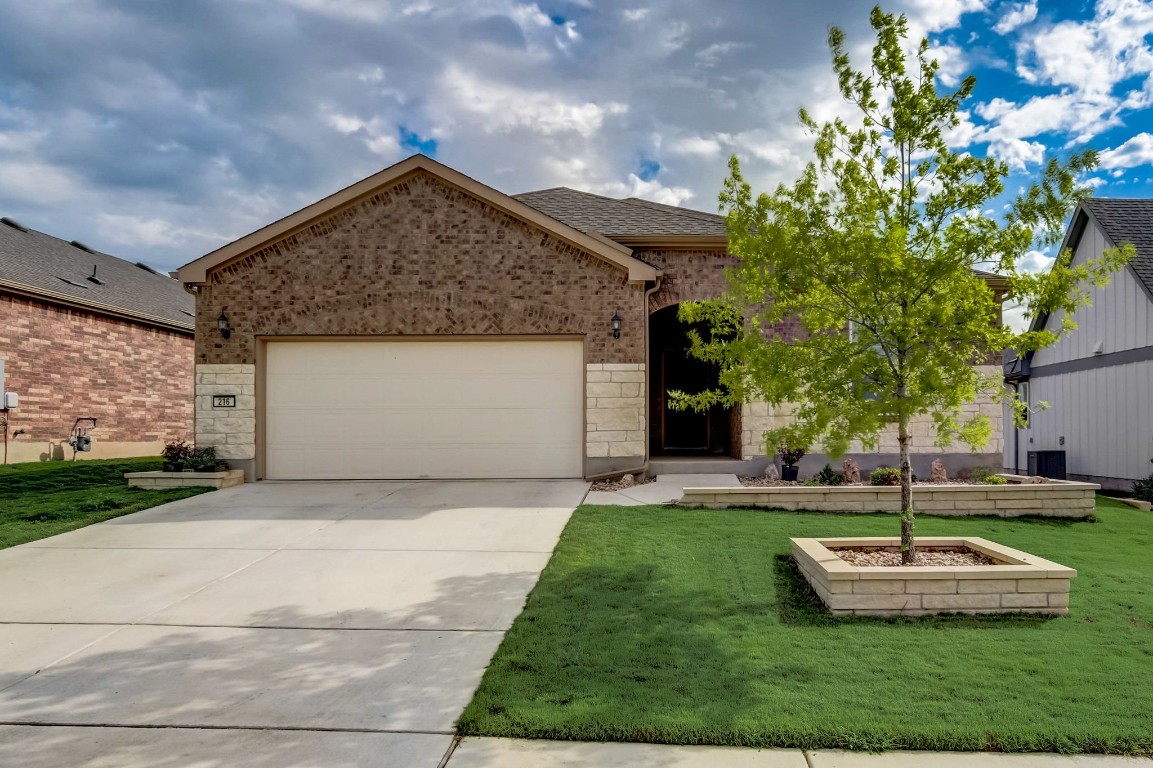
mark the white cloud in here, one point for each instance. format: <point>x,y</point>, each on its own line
<point>1136,151</point>
<point>648,190</point>
<point>636,14</point>
<point>38,182</point>
<point>1095,55</point>
<point>712,55</point>
<point>696,145</point>
<point>1035,261</point>
<point>1019,154</point>
<point>1015,15</point>
<point>504,108</point>
<point>936,15</point>
<point>952,64</point>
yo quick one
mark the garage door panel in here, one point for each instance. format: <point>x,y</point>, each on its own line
<point>424,409</point>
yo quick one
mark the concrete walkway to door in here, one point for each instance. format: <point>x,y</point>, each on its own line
<point>274,624</point>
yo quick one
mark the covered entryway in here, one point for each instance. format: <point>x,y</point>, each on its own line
<point>424,409</point>
<point>714,432</point>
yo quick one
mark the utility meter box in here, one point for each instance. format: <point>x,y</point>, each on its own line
<point>84,443</point>
<point>10,400</point>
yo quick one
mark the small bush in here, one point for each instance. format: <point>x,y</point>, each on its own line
<point>994,480</point>
<point>982,474</point>
<point>812,482</point>
<point>1143,489</point>
<point>829,476</point>
<point>202,459</point>
<point>885,476</point>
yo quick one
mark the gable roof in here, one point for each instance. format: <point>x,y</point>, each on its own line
<point>197,271</point>
<point>1128,220</point>
<point>39,265</point>
<point>631,221</point>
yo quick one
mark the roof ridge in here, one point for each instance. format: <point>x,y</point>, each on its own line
<point>674,208</point>
<point>569,189</point>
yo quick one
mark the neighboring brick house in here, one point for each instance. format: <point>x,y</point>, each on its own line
<point>85,334</point>
<point>421,324</point>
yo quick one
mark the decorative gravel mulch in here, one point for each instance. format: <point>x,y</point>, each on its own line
<point>962,556</point>
<point>617,485</point>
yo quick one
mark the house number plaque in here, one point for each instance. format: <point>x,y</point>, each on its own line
<point>224,401</point>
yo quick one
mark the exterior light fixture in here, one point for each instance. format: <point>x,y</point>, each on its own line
<point>616,325</point>
<point>222,325</point>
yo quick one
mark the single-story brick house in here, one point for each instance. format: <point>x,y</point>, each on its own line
<point>422,324</point>
<point>87,335</point>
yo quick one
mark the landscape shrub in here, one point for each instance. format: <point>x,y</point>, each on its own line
<point>1143,489</point>
<point>982,474</point>
<point>885,476</point>
<point>829,476</point>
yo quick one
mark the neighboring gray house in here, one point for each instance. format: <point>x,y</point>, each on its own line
<point>1098,380</point>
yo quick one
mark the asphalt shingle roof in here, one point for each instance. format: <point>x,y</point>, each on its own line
<point>1128,221</point>
<point>609,217</point>
<point>41,262</point>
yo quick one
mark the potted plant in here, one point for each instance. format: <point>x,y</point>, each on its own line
<point>789,458</point>
<point>175,455</point>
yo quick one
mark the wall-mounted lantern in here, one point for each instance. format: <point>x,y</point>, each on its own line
<point>223,326</point>
<point>616,325</point>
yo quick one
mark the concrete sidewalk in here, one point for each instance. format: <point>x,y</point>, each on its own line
<point>665,489</point>
<point>513,753</point>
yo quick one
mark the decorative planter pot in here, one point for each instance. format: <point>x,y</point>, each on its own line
<point>1017,582</point>
<point>172,466</point>
<point>790,473</point>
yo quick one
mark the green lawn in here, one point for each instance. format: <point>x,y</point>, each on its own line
<point>692,627</point>
<point>44,499</point>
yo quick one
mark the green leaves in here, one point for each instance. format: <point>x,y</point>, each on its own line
<point>856,301</point>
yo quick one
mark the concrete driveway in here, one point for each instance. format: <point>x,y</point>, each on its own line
<point>326,624</point>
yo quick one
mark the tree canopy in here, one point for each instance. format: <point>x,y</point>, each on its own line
<point>869,291</point>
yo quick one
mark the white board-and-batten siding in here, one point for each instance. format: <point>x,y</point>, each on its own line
<point>1104,413</point>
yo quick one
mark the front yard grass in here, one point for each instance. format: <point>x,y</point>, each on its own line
<point>38,500</point>
<point>661,624</point>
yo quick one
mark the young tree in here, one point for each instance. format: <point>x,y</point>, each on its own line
<point>873,253</point>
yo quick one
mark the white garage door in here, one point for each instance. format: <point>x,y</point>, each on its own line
<point>411,409</point>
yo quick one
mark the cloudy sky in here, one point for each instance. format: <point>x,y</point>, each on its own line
<point>158,130</point>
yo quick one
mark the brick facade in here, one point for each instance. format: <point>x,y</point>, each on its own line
<point>417,258</point>
<point>136,380</point>
<point>420,258</point>
<point>688,275</point>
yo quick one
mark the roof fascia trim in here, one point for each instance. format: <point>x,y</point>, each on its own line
<point>709,242</point>
<point>50,297</point>
<point>197,271</point>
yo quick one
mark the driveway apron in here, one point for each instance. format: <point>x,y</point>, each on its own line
<point>353,618</point>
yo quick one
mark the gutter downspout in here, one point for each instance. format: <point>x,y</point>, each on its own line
<point>643,468</point>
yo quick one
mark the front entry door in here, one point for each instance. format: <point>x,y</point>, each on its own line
<point>684,430</point>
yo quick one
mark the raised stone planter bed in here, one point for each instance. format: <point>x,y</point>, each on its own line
<point>1055,498</point>
<point>1017,583</point>
<point>225,479</point>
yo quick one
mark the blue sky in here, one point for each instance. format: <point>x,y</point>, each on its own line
<point>160,130</point>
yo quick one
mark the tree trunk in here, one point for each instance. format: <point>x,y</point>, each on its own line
<point>908,545</point>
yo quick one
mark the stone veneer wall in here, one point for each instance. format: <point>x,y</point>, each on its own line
<point>1056,498</point>
<point>757,417</point>
<point>1018,582</point>
<point>232,431</point>
<point>615,415</point>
